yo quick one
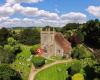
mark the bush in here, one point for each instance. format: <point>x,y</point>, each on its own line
<point>38,61</point>
<point>34,48</point>
<point>78,76</point>
<point>76,67</point>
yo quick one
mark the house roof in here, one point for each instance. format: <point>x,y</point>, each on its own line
<point>62,42</point>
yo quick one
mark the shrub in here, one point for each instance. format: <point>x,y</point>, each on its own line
<point>78,76</point>
<point>75,68</point>
<point>38,61</point>
<point>34,48</point>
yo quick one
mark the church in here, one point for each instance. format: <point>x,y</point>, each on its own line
<point>54,44</point>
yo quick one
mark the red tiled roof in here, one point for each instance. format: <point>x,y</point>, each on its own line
<point>65,44</point>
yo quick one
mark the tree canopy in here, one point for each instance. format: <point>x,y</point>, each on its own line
<point>7,73</point>
<point>92,33</point>
<point>29,36</point>
<point>4,34</point>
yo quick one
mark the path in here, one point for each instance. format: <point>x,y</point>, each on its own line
<point>33,71</point>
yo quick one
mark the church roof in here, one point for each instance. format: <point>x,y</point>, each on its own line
<point>62,42</point>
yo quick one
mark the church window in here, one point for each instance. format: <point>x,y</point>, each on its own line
<point>59,51</point>
<point>45,49</point>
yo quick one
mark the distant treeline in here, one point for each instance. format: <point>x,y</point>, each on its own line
<point>88,32</point>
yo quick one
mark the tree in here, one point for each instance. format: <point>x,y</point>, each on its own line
<point>76,38</point>
<point>9,51</point>
<point>12,46</point>
<point>11,41</point>
<point>5,57</point>
<point>70,26</point>
<point>4,34</point>
<point>81,52</point>
<point>29,36</point>
<point>7,73</point>
<point>91,71</point>
<point>92,33</point>
<point>88,62</point>
<point>91,67</point>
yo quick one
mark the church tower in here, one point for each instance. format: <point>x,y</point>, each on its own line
<point>48,41</point>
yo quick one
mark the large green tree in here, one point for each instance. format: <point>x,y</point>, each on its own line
<point>9,51</point>
<point>4,34</point>
<point>30,36</point>
<point>5,57</point>
<point>92,33</point>
<point>7,73</point>
<point>70,26</point>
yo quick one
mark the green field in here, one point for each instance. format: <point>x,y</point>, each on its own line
<point>22,63</point>
<point>55,72</point>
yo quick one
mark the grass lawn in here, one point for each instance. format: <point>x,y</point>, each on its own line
<point>83,50</point>
<point>55,72</point>
<point>22,62</point>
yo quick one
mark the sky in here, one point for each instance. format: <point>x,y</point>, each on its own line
<point>57,13</point>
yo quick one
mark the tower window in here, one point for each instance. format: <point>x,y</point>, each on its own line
<point>45,49</point>
<point>59,51</point>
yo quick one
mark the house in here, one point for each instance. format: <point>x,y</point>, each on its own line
<point>54,44</point>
